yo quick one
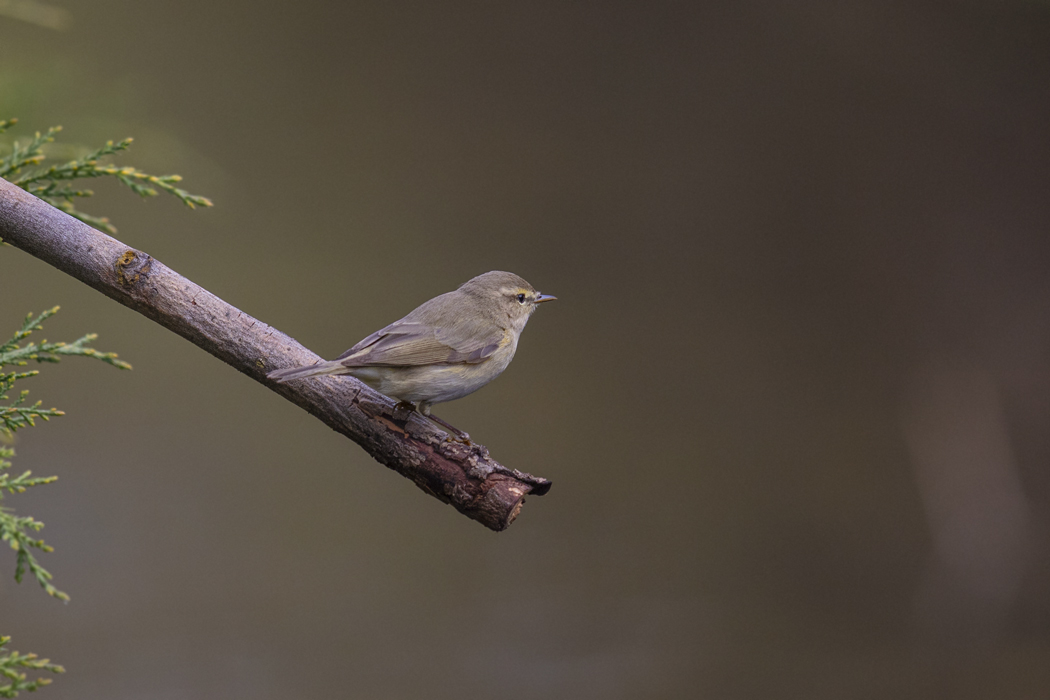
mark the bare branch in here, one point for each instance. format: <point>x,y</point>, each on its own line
<point>464,476</point>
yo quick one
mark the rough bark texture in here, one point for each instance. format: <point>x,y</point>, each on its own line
<point>464,476</point>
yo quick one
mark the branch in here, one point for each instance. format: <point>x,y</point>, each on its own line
<point>462,475</point>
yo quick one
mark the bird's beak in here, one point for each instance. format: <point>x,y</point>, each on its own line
<point>544,297</point>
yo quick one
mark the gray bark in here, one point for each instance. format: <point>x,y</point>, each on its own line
<point>462,475</point>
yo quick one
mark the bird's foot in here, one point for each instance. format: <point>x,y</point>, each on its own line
<point>404,409</point>
<point>455,434</point>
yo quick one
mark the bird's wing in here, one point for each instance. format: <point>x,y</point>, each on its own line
<point>411,343</point>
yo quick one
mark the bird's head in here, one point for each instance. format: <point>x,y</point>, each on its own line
<point>506,295</point>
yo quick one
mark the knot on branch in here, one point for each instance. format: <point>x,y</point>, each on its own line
<point>132,265</point>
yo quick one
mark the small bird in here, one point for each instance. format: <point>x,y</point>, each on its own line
<point>446,348</point>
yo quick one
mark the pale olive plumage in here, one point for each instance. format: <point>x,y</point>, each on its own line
<point>446,348</point>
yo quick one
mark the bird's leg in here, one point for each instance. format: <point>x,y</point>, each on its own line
<point>456,434</point>
<point>539,485</point>
<point>423,409</point>
<point>460,436</point>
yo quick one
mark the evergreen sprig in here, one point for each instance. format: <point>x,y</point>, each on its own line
<point>57,186</point>
<point>18,413</point>
<point>51,184</point>
<point>13,354</point>
<point>15,530</point>
<point>14,679</point>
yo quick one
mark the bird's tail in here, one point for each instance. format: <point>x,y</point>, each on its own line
<point>289,373</point>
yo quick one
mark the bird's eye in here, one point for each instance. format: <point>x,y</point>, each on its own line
<point>521,298</point>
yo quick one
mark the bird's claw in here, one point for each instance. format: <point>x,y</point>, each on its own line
<point>461,438</point>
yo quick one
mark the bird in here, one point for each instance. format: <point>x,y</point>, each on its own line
<point>443,350</point>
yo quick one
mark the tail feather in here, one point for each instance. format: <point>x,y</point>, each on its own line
<point>289,373</point>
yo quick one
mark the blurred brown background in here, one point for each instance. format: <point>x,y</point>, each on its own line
<point>794,396</point>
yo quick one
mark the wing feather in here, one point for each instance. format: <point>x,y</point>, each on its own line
<point>411,343</point>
